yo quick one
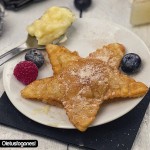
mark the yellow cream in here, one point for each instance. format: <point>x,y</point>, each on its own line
<point>54,23</point>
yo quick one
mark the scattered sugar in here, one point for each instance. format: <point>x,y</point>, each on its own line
<point>78,97</point>
<point>66,87</point>
<point>89,73</point>
<point>72,72</point>
<point>113,62</point>
<point>103,58</point>
<point>105,97</point>
<point>113,93</point>
<point>106,54</point>
<point>82,91</point>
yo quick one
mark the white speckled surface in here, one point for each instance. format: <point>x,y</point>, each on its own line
<point>14,28</point>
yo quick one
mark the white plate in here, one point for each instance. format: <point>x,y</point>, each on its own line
<point>85,36</point>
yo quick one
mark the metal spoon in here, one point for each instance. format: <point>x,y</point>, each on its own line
<point>30,43</point>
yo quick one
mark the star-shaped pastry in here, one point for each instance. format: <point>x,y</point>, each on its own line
<point>81,86</point>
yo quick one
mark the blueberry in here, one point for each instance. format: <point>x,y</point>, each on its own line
<point>82,4</point>
<point>35,56</point>
<point>131,63</point>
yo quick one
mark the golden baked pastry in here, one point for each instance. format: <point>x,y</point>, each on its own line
<point>60,56</point>
<point>39,91</point>
<point>82,86</point>
<point>111,54</point>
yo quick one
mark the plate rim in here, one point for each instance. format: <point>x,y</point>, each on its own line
<point>69,127</point>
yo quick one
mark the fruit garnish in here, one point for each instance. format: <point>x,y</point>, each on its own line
<point>35,56</point>
<point>26,72</point>
<point>131,63</point>
<point>82,5</point>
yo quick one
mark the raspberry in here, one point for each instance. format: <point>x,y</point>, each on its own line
<point>26,72</point>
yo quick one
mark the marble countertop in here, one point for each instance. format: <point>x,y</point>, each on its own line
<point>117,11</point>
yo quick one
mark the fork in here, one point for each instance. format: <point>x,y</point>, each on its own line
<point>30,43</point>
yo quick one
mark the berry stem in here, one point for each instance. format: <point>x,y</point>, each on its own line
<point>80,13</point>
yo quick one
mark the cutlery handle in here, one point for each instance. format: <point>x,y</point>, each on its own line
<point>10,54</point>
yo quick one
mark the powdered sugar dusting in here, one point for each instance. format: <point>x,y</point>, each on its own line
<point>103,54</point>
<point>88,73</point>
<point>79,98</point>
